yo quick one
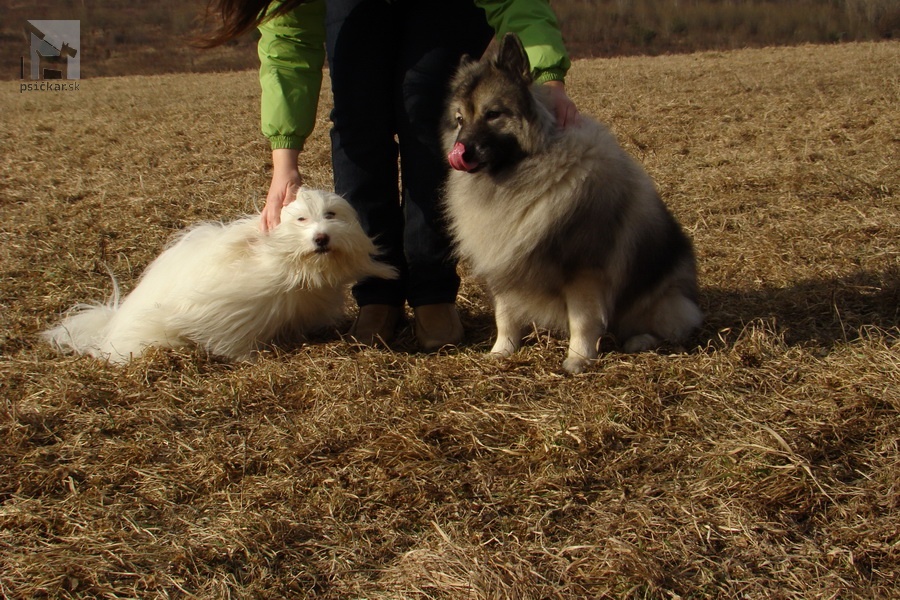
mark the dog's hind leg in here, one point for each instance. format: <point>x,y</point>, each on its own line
<point>587,315</point>
<point>509,328</point>
<point>676,318</point>
<point>672,318</point>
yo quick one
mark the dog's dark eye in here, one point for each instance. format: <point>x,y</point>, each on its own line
<point>492,115</point>
<point>301,219</point>
<point>329,215</point>
<point>459,119</point>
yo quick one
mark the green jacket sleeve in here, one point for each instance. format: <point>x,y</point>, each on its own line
<point>536,25</point>
<point>291,56</point>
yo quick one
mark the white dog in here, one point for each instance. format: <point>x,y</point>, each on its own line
<point>230,288</point>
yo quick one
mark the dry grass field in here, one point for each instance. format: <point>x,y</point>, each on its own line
<point>762,462</point>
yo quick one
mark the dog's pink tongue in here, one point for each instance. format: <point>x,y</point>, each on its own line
<point>456,159</point>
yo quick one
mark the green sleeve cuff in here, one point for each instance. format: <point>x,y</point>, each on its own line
<point>550,75</point>
<point>280,142</point>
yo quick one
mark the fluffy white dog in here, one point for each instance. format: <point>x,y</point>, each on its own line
<point>230,288</point>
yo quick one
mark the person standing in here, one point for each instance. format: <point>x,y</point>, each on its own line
<point>390,62</point>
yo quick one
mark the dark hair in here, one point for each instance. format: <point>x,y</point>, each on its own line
<point>237,17</point>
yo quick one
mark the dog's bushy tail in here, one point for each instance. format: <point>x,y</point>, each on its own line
<point>85,326</point>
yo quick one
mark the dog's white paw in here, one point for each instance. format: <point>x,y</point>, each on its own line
<point>503,348</point>
<point>575,364</point>
<point>641,343</point>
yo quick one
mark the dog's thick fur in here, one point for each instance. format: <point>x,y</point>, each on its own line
<point>565,228</point>
<point>230,288</point>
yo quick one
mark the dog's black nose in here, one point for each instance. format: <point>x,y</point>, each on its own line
<point>321,240</point>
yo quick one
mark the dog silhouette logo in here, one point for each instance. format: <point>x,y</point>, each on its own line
<point>54,49</point>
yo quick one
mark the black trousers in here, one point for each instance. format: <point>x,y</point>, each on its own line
<point>390,64</point>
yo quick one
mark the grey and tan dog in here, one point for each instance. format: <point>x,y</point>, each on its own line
<point>566,229</point>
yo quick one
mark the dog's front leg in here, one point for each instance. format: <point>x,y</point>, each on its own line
<point>509,329</point>
<point>587,316</point>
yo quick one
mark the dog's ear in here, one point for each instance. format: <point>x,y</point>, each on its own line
<point>511,58</point>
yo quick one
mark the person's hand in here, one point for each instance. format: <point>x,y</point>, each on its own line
<point>563,108</point>
<point>283,189</point>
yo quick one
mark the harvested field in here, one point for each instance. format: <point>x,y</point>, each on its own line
<point>764,461</point>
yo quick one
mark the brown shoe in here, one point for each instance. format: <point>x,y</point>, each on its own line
<point>437,325</point>
<point>375,324</point>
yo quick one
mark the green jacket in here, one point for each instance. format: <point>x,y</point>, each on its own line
<point>292,53</point>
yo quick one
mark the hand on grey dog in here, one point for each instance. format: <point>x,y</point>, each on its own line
<point>563,108</point>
